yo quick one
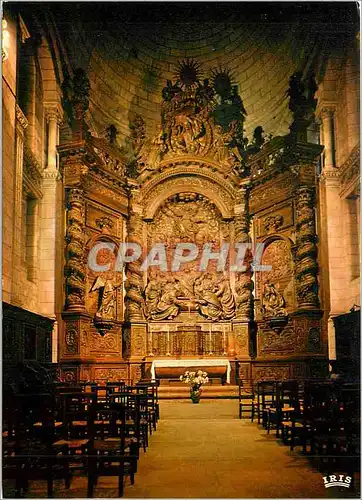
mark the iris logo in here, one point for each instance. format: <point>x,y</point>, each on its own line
<point>337,480</point>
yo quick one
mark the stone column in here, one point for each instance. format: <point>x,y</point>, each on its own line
<point>352,99</point>
<point>306,270</point>
<point>50,234</point>
<point>20,127</point>
<point>75,267</point>
<point>240,344</point>
<point>54,119</point>
<point>327,119</point>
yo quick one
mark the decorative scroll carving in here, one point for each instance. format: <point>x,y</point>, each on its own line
<point>104,222</point>
<point>273,372</point>
<point>306,254</point>
<point>110,374</point>
<point>107,343</point>
<point>75,268</point>
<point>273,223</point>
<point>314,340</point>
<point>71,340</point>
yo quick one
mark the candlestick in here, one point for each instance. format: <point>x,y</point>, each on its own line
<point>224,337</point>
<point>168,341</point>
<point>210,342</point>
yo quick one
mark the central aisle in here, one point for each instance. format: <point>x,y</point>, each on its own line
<point>204,450</point>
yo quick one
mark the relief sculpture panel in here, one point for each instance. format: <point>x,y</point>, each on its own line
<point>275,287</point>
<point>188,218</point>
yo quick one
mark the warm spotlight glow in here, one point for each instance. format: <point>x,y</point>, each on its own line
<point>5,40</point>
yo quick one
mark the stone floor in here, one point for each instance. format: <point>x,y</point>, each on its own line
<point>205,451</point>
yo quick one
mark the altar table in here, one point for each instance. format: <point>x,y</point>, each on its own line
<point>187,363</point>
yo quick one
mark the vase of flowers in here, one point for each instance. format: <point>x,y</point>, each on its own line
<point>195,380</point>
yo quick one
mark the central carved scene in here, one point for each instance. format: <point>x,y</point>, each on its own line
<point>199,295</point>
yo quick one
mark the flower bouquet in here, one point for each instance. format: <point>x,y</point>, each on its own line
<point>195,380</point>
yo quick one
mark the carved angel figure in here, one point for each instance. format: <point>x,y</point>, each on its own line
<point>273,301</point>
<point>107,298</point>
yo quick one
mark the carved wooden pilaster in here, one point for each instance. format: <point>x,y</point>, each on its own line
<point>75,266</point>
<point>306,270</point>
<point>134,282</point>
<point>243,282</point>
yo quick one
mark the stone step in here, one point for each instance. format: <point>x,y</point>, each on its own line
<point>208,392</point>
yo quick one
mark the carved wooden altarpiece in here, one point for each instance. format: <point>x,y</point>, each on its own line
<point>188,184</point>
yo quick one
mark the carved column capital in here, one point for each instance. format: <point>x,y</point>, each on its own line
<point>327,113</point>
<point>53,112</point>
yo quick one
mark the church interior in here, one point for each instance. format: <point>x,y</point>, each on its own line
<point>180,250</point>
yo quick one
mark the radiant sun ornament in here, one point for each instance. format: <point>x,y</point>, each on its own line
<point>222,81</point>
<point>188,72</point>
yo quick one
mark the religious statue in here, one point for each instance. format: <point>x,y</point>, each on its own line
<point>302,102</point>
<point>273,301</point>
<point>226,298</point>
<point>162,299</point>
<point>214,301</point>
<point>111,134</point>
<point>107,298</point>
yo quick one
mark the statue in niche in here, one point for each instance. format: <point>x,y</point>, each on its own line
<point>107,298</point>
<point>273,301</point>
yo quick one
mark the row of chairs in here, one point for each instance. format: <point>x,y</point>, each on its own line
<point>323,417</point>
<point>91,429</point>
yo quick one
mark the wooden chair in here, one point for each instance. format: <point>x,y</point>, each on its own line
<point>74,442</point>
<point>107,452</point>
<point>247,402</point>
<point>265,392</point>
<point>286,403</point>
<point>33,456</point>
<point>336,446</point>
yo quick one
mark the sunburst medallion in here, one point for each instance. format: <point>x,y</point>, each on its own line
<point>188,72</point>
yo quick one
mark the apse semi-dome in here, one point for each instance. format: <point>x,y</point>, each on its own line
<point>128,69</point>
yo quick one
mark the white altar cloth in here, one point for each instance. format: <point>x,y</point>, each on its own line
<point>187,363</point>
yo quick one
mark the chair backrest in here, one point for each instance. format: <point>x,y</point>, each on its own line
<point>76,405</point>
<point>106,421</point>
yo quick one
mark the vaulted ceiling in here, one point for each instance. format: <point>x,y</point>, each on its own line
<point>130,50</point>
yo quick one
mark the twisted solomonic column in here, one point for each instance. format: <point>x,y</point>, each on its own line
<point>134,283</point>
<point>75,267</point>
<point>243,283</point>
<point>306,272</point>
